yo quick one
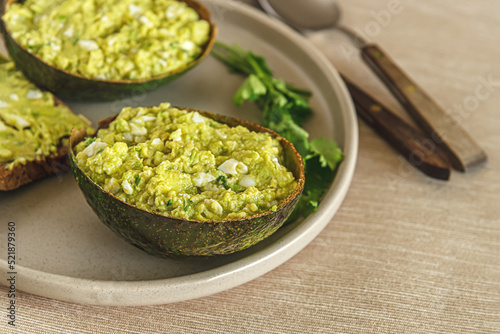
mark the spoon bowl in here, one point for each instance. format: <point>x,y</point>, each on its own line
<point>304,15</point>
<point>312,15</point>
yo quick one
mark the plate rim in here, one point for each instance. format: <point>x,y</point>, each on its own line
<point>215,280</point>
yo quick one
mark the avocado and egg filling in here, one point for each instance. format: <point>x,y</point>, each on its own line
<point>182,164</point>
<point>31,126</point>
<point>110,39</point>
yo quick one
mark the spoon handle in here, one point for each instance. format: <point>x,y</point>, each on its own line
<point>464,152</point>
<point>416,147</point>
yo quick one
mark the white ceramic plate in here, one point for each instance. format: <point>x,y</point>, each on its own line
<point>64,252</point>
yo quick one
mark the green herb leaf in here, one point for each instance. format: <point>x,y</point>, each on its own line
<point>327,150</point>
<point>137,180</point>
<point>89,140</point>
<point>186,205</point>
<point>221,179</point>
<point>251,90</point>
<point>291,131</point>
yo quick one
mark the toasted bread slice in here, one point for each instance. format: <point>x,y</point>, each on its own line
<point>33,170</point>
<point>14,175</point>
<point>22,174</point>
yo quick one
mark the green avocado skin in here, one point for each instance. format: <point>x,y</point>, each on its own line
<point>171,237</point>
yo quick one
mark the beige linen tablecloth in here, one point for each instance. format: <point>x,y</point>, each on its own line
<point>405,253</point>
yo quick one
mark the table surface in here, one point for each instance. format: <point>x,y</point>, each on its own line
<point>405,253</point>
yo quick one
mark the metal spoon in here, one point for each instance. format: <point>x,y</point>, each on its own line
<point>434,121</point>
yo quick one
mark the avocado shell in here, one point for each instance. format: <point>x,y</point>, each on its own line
<point>165,236</point>
<point>71,86</point>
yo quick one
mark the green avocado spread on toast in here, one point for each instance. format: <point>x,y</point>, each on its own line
<point>31,126</point>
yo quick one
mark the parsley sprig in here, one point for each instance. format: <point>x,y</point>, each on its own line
<point>284,109</point>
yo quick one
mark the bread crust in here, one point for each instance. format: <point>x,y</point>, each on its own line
<point>19,175</point>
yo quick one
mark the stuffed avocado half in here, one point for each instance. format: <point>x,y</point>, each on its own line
<point>179,182</point>
<point>106,49</point>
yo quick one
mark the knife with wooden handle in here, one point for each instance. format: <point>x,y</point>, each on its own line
<point>415,146</point>
<point>463,151</point>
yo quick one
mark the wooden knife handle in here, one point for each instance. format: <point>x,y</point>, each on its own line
<point>464,152</point>
<point>415,146</point>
